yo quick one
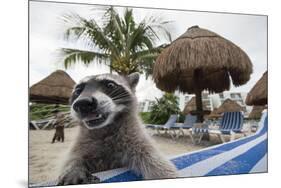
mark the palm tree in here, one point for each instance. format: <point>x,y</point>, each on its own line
<point>120,43</point>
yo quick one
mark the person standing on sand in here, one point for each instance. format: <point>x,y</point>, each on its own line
<point>59,125</point>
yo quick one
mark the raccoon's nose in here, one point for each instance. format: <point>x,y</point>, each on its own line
<point>85,105</point>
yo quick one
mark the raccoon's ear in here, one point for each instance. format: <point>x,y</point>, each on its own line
<point>133,79</point>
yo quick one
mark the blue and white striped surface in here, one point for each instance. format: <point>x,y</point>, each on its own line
<point>231,121</point>
<point>245,155</point>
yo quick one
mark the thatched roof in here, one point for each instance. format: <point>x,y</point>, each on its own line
<point>191,106</point>
<point>229,106</point>
<point>55,88</point>
<point>258,94</point>
<point>214,114</point>
<point>201,59</point>
<point>256,112</point>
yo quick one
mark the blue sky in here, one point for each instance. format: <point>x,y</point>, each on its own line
<point>247,31</point>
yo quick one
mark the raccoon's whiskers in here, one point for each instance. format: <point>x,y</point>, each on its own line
<point>120,97</point>
<point>113,92</point>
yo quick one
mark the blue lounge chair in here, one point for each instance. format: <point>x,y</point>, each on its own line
<point>244,155</point>
<point>189,121</point>
<point>167,127</point>
<point>231,123</point>
<point>170,122</point>
<point>187,124</point>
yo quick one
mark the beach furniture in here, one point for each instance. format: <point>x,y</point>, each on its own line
<point>33,126</point>
<point>244,155</point>
<point>187,125</point>
<point>44,123</point>
<point>166,128</point>
<point>230,124</point>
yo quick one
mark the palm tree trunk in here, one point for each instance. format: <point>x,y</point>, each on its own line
<point>199,106</point>
<point>200,112</point>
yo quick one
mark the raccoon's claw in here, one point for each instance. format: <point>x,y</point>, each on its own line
<point>94,179</point>
<point>77,177</point>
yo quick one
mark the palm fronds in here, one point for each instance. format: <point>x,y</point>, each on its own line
<point>118,41</point>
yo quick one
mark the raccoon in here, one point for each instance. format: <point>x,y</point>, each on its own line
<point>111,134</point>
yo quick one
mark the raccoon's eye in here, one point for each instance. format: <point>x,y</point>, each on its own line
<point>111,85</point>
<point>78,90</point>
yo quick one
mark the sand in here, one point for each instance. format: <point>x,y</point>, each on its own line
<point>44,157</point>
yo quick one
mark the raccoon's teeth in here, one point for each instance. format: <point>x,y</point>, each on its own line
<point>96,116</point>
<point>95,120</point>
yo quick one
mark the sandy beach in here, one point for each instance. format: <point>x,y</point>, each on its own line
<point>45,158</point>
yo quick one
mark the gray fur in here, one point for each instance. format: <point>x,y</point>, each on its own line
<point>122,143</point>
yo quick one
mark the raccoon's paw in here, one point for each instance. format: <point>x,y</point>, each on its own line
<point>77,176</point>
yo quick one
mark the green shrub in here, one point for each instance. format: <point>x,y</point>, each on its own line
<point>43,111</point>
<point>145,117</point>
<point>163,108</point>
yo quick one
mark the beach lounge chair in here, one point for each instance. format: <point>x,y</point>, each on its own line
<point>166,128</point>
<point>187,125</point>
<point>44,123</point>
<point>244,155</point>
<point>231,123</point>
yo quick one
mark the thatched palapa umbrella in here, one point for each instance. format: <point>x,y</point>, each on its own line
<point>258,94</point>
<point>256,112</point>
<point>190,107</point>
<point>201,60</point>
<point>227,106</point>
<point>214,114</point>
<point>54,89</point>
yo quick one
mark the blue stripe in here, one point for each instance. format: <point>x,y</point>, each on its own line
<point>243,163</point>
<point>230,120</point>
<point>223,121</point>
<point>227,125</point>
<point>126,176</point>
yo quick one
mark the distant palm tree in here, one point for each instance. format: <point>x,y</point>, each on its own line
<point>118,42</point>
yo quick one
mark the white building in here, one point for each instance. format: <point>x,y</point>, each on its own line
<point>238,97</point>
<point>215,100</point>
<point>211,101</point>
<point>145,106</point>
<point>183,100</point>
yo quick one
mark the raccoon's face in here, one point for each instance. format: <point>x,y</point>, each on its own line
<point>97,99</point>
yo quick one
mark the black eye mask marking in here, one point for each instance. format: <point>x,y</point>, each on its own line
<point>109,84</point>
<point>116,92</point>
<point>77,91</point>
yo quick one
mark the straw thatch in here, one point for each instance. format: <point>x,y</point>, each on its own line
<point>258,94</point>
<point>55,89</point>
<point>229,106</point>
<point>201,59</point>
<point>256,112</point>
<point>190,107</point>
<point>214,114</point>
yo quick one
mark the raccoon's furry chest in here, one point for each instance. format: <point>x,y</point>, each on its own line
<point>105,154</point>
